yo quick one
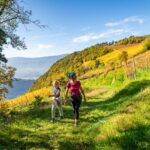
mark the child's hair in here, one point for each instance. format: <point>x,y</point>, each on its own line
<point>55,82</point>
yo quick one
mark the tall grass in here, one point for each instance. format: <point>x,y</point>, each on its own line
<point>107,121</point>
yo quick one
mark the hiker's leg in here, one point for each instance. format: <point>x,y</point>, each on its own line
<point>78,103</point>
<point>59,105</point>
<point>61,111</point>
<point>74,108</point>
<point>53,109</point>
<point>77,108</point>
<point>76,113</point>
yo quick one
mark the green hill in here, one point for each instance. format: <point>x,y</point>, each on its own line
<point>115,117</point>
<point>82,62</point>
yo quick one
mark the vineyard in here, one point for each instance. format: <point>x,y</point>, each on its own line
<point>25,99</point>
<point>88,62</point>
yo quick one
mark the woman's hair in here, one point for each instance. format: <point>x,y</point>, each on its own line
<point>55,82</point>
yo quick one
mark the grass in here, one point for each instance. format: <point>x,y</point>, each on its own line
<point>115,117</point>
<point>101,82</point>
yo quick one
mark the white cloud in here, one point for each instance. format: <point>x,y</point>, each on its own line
<point>132,19</point>
<point>83,38</point>
<point>92,36</point>
<point>45,46</point>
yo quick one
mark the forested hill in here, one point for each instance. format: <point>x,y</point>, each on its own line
<point>90,61</point>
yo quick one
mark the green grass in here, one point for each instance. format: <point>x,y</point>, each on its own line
<point>100,82</point>
<point>115,118</point>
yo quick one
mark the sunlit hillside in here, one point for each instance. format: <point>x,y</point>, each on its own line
<point>115,116</point>
<point>135,50</point>
<point>74,75</point>
<point>89,62</point>
<point>25,99</point>
<point>112,118</point>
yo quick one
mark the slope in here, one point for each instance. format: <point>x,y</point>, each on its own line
<point>111,119</point>
<point>90,61</point>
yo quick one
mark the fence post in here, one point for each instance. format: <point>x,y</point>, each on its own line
<point>134,67</point>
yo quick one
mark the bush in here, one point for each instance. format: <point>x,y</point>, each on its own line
<point>147,44</point>
<point>131,40</point>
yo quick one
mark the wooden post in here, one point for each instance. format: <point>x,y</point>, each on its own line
<point>134,67</point>
<point>146,61</point>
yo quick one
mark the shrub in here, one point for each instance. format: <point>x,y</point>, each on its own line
<point>147,44</point>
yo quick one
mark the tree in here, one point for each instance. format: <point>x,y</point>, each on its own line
<point>147,44</point>
<point>97,63</point>
<point>6,78</point>
<point>6,73</point>
<point>12,14</point>
<point>123,57</point>
<point>114,67</point>
<point>2,41</point>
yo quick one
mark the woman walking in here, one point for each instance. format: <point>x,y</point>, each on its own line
<point>75,88</point>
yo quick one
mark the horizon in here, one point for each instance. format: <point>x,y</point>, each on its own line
<point>36,57</point>
<point>76,25</point>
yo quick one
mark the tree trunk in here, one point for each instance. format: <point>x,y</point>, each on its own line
<point>125,69</point>
<point>146,61</point>
<point>105,72</point>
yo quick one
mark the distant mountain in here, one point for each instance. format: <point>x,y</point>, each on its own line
<point>32,68</point>
<point>28,69</point>
<point>20,86</point>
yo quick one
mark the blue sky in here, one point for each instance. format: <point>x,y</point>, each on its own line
<point>76,24</point>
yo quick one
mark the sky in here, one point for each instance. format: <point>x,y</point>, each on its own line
<point>73,25</point>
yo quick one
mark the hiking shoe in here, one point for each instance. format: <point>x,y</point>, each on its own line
<point>52,120</point>
<point>76,123</point>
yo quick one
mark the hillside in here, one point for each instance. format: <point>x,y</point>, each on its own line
<point>112,118</point>
<point>25,66</point>
<point>115,116</point>
<point>90,61</point>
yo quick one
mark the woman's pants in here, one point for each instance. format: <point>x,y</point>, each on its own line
<point>57,102</point>
<point>76,102</point>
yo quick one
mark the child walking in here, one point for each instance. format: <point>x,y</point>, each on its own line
<point>57,100</point>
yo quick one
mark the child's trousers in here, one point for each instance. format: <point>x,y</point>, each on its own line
<point>57,103</point>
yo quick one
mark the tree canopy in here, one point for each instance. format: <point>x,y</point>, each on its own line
<point>12,14</point>
<point>147,44</point>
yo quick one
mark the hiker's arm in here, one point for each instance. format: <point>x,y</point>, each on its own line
<point>82,91</point>
<point>51,95</point>
<point>58,93</point>
<point>66,95</point>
